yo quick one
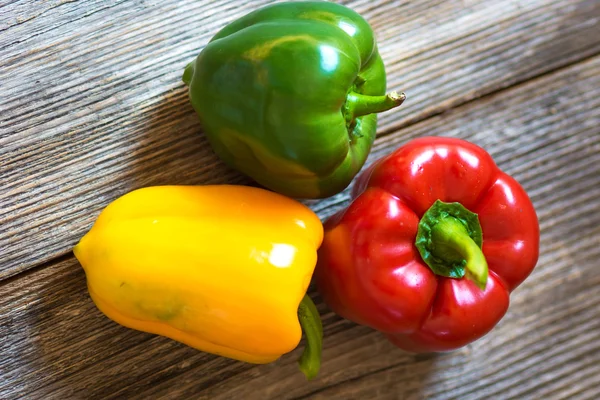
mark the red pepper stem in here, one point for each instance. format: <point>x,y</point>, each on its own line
<point>358,104</point>
<point>452,241</point>
<point>310,320</point>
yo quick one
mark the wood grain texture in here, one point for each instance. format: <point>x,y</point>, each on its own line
<point>92,106</point>
<point>546,133</point>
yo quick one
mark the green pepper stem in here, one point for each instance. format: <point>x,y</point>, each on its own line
<point>358,104</point>
<point>452,242</point>
<point>310,320</point>
<point>188,72</point>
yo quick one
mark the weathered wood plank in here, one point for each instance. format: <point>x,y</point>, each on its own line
<point>546,133</point>
<point>92,106</point>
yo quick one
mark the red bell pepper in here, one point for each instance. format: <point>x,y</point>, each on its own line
<point>434,241</point>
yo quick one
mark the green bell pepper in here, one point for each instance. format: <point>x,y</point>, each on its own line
<point>288,95</point>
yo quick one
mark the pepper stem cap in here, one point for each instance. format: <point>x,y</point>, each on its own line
<point>449,239</point>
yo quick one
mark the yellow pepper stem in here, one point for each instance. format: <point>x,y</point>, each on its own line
<point>310,320</point>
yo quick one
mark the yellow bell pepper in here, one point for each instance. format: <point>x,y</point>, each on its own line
<point>222,268</point>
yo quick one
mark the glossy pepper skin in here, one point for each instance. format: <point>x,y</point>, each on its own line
<point>220,268</point>
<point>288,95</point>
<point>371,271</point>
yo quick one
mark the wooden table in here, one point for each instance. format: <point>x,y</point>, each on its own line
<point>92,106</point>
